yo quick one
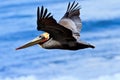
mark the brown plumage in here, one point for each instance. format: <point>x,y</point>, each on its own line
<point>62,35</point>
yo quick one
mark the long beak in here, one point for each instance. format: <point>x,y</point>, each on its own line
<point>31,43</point>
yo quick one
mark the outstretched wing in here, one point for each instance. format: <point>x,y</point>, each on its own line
<point>71,19</point>
<point>47,23</point>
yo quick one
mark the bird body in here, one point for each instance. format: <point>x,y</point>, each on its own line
<point>66,45</point>
<point>62,35</point>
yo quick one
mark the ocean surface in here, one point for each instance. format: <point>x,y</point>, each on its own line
<point>101,27</point>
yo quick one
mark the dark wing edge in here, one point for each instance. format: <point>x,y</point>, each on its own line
<point>72,10</point>
<point>73,13</point>
<point>42,14</point>
<point>46,22</point>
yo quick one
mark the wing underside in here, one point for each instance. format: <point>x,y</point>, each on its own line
<point>71,19</point>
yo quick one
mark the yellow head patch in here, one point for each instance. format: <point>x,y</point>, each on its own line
<point>46,35</point>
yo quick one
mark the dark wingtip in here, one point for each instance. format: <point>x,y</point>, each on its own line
<point>68,7</point>
<point>38,15</point>
<point>42,13</point>
<point>73,6</point>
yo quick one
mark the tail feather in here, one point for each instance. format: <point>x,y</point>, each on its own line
<point>91,46</point>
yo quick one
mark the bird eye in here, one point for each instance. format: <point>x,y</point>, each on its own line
<point>40,36</point>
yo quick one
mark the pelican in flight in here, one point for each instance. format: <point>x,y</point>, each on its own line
<point>64,34</point>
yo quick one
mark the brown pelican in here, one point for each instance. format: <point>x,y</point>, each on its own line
<point>64,34</point>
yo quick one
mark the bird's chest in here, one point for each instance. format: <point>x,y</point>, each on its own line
<point>52,44</point>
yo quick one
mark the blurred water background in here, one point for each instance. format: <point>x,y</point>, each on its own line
<point>101,27</point>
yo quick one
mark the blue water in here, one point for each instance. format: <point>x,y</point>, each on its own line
<point>101,27</point>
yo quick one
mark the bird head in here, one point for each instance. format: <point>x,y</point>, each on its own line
<point>38,40</point>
